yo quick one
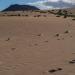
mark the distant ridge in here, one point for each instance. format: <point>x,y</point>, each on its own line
<point>17,7</point>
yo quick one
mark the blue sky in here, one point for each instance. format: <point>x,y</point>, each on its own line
<point>6,3</point>
<point>38,3</point>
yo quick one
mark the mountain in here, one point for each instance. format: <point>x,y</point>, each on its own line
<point>17,7</point>
<point>59,4</point>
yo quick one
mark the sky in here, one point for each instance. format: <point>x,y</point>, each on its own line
<point>6,3</point>
<point>39,3</point>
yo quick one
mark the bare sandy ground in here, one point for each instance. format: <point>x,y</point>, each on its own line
<point>37,46</point>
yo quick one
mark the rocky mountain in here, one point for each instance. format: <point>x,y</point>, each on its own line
<point>17,7</point>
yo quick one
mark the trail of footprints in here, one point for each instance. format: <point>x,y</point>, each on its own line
<point>57,35</point>
<point>54,70</point>
<point>70,62</point>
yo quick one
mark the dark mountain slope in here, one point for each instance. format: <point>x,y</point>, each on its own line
<point>17,7</point>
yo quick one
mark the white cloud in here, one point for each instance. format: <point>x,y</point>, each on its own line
<point>68,1</point>
<point>53,0</point>
<point>44,4</point>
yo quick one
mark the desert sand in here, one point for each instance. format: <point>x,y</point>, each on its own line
<point>37,45</point>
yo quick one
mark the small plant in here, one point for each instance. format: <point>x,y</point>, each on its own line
<point>66,31</point>
<point>44,15</point>
<point>70,13</point>
<point>59,12</point>
<point>34,15</point>
<point>52,10</point>
<point>42,11</point>
<point>3,15</point>
<point>72,62</point>
<point>7,39</point>
<point>65,16</point>
<point>39,34</point>
<point>59,69</point>
<point>57,35</point>
<point>26,15</point>
<point>65,13</point>
<point>18,15</point>
<point>73,19</point>
<point>55,70</point>
<point>38,15</point>
<point>52,71</point>
<point>58,16</point>
<point>13,49</point>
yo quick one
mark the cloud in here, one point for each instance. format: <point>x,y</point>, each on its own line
<point>68,1</point>
<point>53,0</point>
<point>53,4</point>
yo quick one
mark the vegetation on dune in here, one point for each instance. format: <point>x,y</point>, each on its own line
<point>73,19</point>
<point>38,13</point>
<point>66,31</point>
<point>63,13</point>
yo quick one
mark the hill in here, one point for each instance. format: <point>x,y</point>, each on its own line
<point>17,7</point>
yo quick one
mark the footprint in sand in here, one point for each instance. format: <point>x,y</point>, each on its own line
<point>13,49</point>
<point>39,34</point>
<point>36,44</point>
<point>7,39</point>
<point>46,41</point>
<point>72,62</point>
<point>55,70</point>
<point>66,32</point>
<point>57,35</point>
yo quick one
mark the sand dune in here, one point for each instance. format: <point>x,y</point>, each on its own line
<point>37,46</point>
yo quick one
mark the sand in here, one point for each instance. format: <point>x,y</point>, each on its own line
<point>30,45</point>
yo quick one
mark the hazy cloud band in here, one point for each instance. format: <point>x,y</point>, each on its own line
<point>54,4</point>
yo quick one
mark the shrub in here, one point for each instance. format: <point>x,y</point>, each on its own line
<point>52,10</point>
<point>59,12</point>
<point>18,15</point>
<point>73,19</point>
<point>42,11</point>
<point>66,31</point>
<point>26,15</point>
<point>38,15</point>
<point>44,15</point>
<point>57,35</point>
<point>70,13</point>
<point>58,16</point>
<point>34,16</point>
<point>65,14</point>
